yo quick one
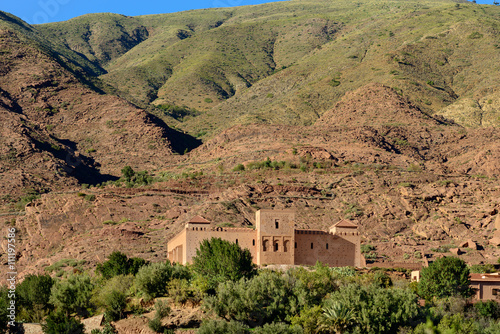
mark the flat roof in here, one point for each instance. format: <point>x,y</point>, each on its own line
<point>485,277</point>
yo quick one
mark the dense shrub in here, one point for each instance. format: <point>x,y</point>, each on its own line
<point>119,264</point>
<point>151,280</point>
<point>181,292</point>
<point>112,295</point>
<point>116,301</point>
<point>376,309</point>
<point>222,327</point>
<point>488,309</point>
<point>262,299</point>
<point>155,325</point>
<point>278,328</point>
<point>445,277</point>
<point>33,295</point>
<point>219,261</point>
<point>4,303</point>
<point>311,286</point>
<point>310,319</point>
<point>60,323</point>
<point>73,294</point>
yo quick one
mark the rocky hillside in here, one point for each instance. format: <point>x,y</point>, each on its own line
<point>382,113</point>
<point>59,130</point>
<point>289,62</point>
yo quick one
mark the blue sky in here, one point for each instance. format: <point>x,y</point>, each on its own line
<point>43,11</point>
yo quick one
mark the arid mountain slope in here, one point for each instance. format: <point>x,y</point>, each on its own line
<point>413,187</point>
<point>56,127</point>
<point>289,62</point>
<point>384,113</point>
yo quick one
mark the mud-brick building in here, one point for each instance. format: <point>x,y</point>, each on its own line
<point>275,240</point>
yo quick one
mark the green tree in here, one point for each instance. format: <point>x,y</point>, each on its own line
<point>445,277</point>
<point>337,318</point>
<point>119,264</point>
<point>60,323</point>
<point>488,309</point>
<point>73,294</point>
<point>265,298</point>
<point>33,294</point>
<point>112,295</point>
<point>4,303</point>
<point>116,301</point>
<point>128,173</point>
<point>376,309</point>
<point>219,260</point>
<point>311,286</point>
<point>151,280</point>
<point>310,320</point>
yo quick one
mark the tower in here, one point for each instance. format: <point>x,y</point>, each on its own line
<point>275,236</point>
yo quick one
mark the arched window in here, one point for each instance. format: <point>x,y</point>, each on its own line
<point>253,242</point>
<point>236,241</point>
<point>286,245</point>
<point>312,246</point>
<point>276,247</point>
<point>326,245</point>
<point>265,245</point>
<point>276,223</point>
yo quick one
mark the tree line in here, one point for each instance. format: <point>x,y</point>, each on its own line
<point>239,298</point>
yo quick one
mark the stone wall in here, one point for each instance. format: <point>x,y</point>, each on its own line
<point>313,245</point>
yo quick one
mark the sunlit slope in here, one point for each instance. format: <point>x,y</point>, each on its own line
<point>289,62</point>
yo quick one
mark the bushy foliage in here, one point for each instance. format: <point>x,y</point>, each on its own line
<point>311,286</point>
<point>4,303</point>
<point>128,173</point>
<point>482,268</point>
<point>376,309</point>
<point>73,294</point>
<point>457,323</point>
<point>219,261</point>
<point>60,323</point>
<point>278,328</point>
<point>155,325</point>
<point>445,277</point>
<point>337,317</point>
<point>107,329</point>
<point>181,292</point>
<point>112,296</point>
<point>262,299</point>
<point>119,264</point>
<point>222,327</point>
<point>309,319</point>
<point>151,280</point>
<point>162,310</point>
<point>33,295</point>
<point>116,301</point>
<point>382,280</point>
<point>488,309</point>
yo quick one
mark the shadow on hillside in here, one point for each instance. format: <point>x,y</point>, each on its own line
<point>181,142</point>
<point>83,168</point>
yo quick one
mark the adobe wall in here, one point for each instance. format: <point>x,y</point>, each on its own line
<point>244,237</point>
<point>176,248</point>
<point>485,290</point>
<point>276,236</point>
<point>352,235</point>
<point>329,249</point>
